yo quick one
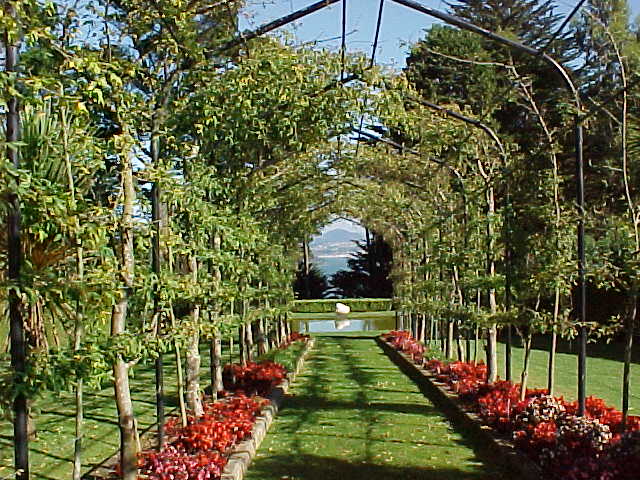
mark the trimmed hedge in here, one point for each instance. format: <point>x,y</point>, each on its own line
<point>356,305</point>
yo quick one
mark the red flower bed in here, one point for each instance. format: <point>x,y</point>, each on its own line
<point>297,336</point>
<point>404,342</point>
<point>546,428</point>
<point>253,378</point>
<point>198,451</point>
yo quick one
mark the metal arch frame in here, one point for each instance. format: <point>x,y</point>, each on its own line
<point>569,85</point>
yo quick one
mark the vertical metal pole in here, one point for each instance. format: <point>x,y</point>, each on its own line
<point>582,287</point>
<point>507,280</point>
<point>156,259</point>
<point>14,221</point>
<point>370,258</point>
<point>307,285</point>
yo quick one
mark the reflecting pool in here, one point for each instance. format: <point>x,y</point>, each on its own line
<point>352,322</point>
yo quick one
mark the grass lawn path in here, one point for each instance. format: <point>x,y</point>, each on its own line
<point>353,415</point>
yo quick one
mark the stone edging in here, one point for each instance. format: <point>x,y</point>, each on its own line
<point>500,448</point>
<point>244,452</point>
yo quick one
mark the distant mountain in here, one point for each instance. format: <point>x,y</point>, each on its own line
<point>338,235</point>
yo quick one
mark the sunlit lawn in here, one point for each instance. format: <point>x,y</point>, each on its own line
<point>51,453</point>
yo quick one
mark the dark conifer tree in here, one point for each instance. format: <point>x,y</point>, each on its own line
<point>368,274</point>
<point>311,286</point>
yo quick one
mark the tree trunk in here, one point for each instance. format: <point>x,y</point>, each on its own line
<point>476,341</point>
<point>628,345</point>
<point>450,332</point>
<point>179,373</point>
<point>216,365</point>
<point>126,420</point>
<point>241,344</point>
<point>459,341</point>
<point>14,264</point>
<point>159,223</point>
<point>551,370</point>
<point>492,355</point>
<point>492,338</point>
<point>525,366</point>
<point>79,317</point>
<point>248,331</point>
<point>262,343</point>
<point>193,351</point>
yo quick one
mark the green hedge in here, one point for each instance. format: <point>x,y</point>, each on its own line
<point>356,305</point>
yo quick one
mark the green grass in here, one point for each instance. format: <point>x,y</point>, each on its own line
<point>353,415</point>
<point>51,453</point>
<point>604,370</point>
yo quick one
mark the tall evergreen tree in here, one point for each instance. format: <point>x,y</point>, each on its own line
<point>311,286</point>
<point>368,274</point>
<point>532,22</point>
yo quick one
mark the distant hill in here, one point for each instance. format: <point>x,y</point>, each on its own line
<point>332,250</point>
<point>338,235</point>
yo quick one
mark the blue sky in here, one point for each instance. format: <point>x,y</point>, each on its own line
<point>400,25</point>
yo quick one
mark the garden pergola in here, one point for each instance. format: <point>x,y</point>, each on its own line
<point>17,331</point>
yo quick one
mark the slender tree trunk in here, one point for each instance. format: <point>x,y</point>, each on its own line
<point>216,365</point>
<point>262,341</point>
<point>307,269</point>
<point>179,373</point>
<point>11,42</point>
<point>450,332</point>
<point>126,419</point>
<point>193,351</point>
<point>79,317</point>
<point>492,337</point>
<point>248,332</point>
<point>159,223</point>
<point>241,344</point>
<point>459,342</point>
<point>551,370</point>
<point>628,345</point>
<point>476,341</point>
<point>525,366</point>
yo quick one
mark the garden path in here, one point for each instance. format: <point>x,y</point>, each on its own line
<point>353,415</point>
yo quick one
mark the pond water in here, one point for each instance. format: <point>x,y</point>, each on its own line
<point>344,323</point>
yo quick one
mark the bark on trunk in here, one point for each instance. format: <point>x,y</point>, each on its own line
<point>193,352</point>
<point>551,373</point>
<point>551,370</point>
<point>492,338</point>
<point>126,420</point>
<point>524,377</point>
<point>180,374</point>
<point>193,376</point>
<point>628,345</point>
<point>216,365</point>
<point>242,343</point>
<point>249,340</point>
<point>262,341</point>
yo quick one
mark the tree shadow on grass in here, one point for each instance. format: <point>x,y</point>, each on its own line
<point>312,467</point>
<point>341,378</point>
<point>613,350</point>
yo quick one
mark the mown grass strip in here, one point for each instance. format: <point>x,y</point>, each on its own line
<point>354,415</point>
